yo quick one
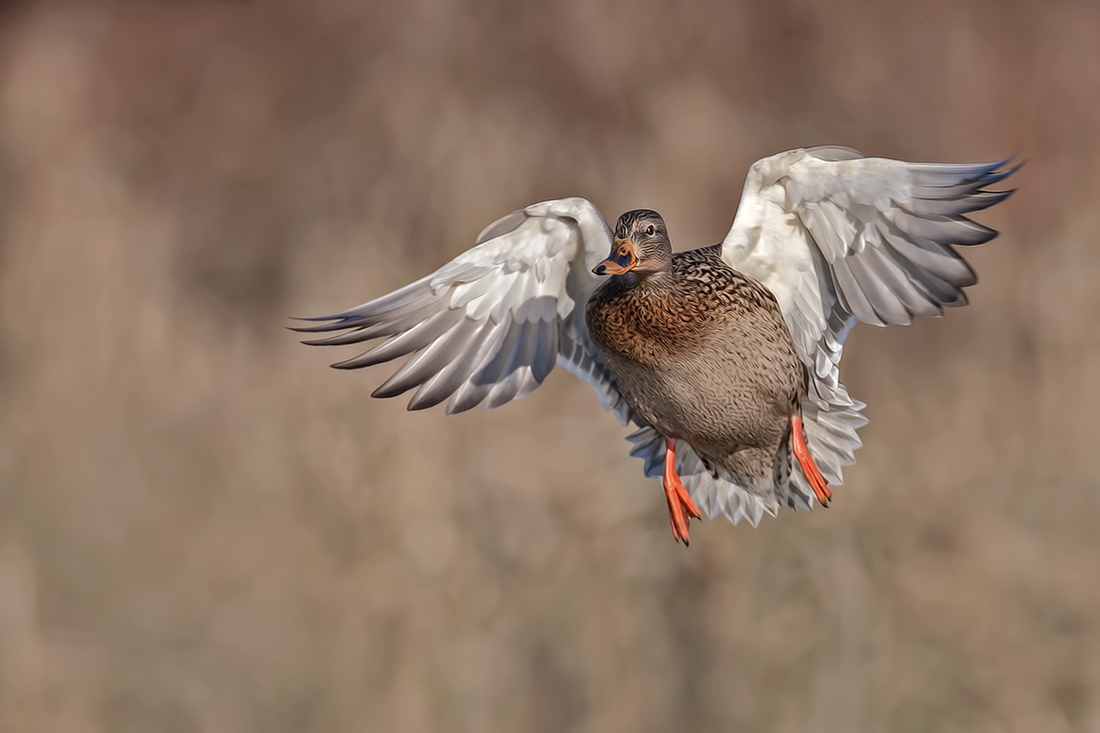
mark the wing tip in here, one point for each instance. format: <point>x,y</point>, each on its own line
<point>334,324</point>
<point>418,403</point>
<point>312,318</point>
<point>385,390</point>
<point>346,365</point>
<point>980,234</point>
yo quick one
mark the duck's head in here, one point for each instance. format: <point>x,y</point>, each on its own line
<point>640,245</point>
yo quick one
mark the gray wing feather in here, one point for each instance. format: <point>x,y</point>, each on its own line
<point>489,326</point>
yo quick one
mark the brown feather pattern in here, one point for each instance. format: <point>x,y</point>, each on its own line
<point>700,352</point>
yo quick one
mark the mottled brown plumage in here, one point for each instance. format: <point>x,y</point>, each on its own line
<point>700,351</point>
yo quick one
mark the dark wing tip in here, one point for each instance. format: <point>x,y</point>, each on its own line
<point>385,390</point>
<point>333,325</point>
<point>313,318</point>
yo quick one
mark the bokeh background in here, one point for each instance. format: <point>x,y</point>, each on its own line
<point>203,528</point>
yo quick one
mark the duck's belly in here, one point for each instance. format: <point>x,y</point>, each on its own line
<point>727,394</point>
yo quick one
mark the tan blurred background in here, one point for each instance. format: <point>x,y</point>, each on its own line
<point>203,528</point>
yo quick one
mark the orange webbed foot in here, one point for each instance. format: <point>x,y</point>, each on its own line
<point>679,501</point>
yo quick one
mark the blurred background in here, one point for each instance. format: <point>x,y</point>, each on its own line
<point>203,528</point>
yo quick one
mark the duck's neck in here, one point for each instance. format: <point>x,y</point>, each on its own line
<point>648,281</point>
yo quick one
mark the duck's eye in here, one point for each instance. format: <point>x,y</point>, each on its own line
<point>649,230</point>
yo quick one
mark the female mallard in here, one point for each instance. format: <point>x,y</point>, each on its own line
<point>726,357</point>
<point>701,354</point>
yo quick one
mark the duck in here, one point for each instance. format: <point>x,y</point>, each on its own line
<point>724,359</point>
<point>701,353</point>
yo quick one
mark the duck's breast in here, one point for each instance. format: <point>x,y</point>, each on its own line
<point>708,360</point>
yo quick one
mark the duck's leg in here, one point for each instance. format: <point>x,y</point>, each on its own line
<point>806,461</point>
<point>677,496</point>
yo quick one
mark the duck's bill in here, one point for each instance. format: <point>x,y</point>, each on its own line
<point>622,259</point>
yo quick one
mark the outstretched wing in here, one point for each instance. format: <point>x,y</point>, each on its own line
<point>838,237</point>
<point>488,327</point>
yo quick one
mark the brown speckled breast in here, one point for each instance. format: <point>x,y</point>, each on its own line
<point>701,352</point>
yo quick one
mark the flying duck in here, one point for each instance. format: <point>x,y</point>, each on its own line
<point>725,358</point>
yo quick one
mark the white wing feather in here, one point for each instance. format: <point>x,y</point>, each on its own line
<point>839,237</point>
<point>488,327</point>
